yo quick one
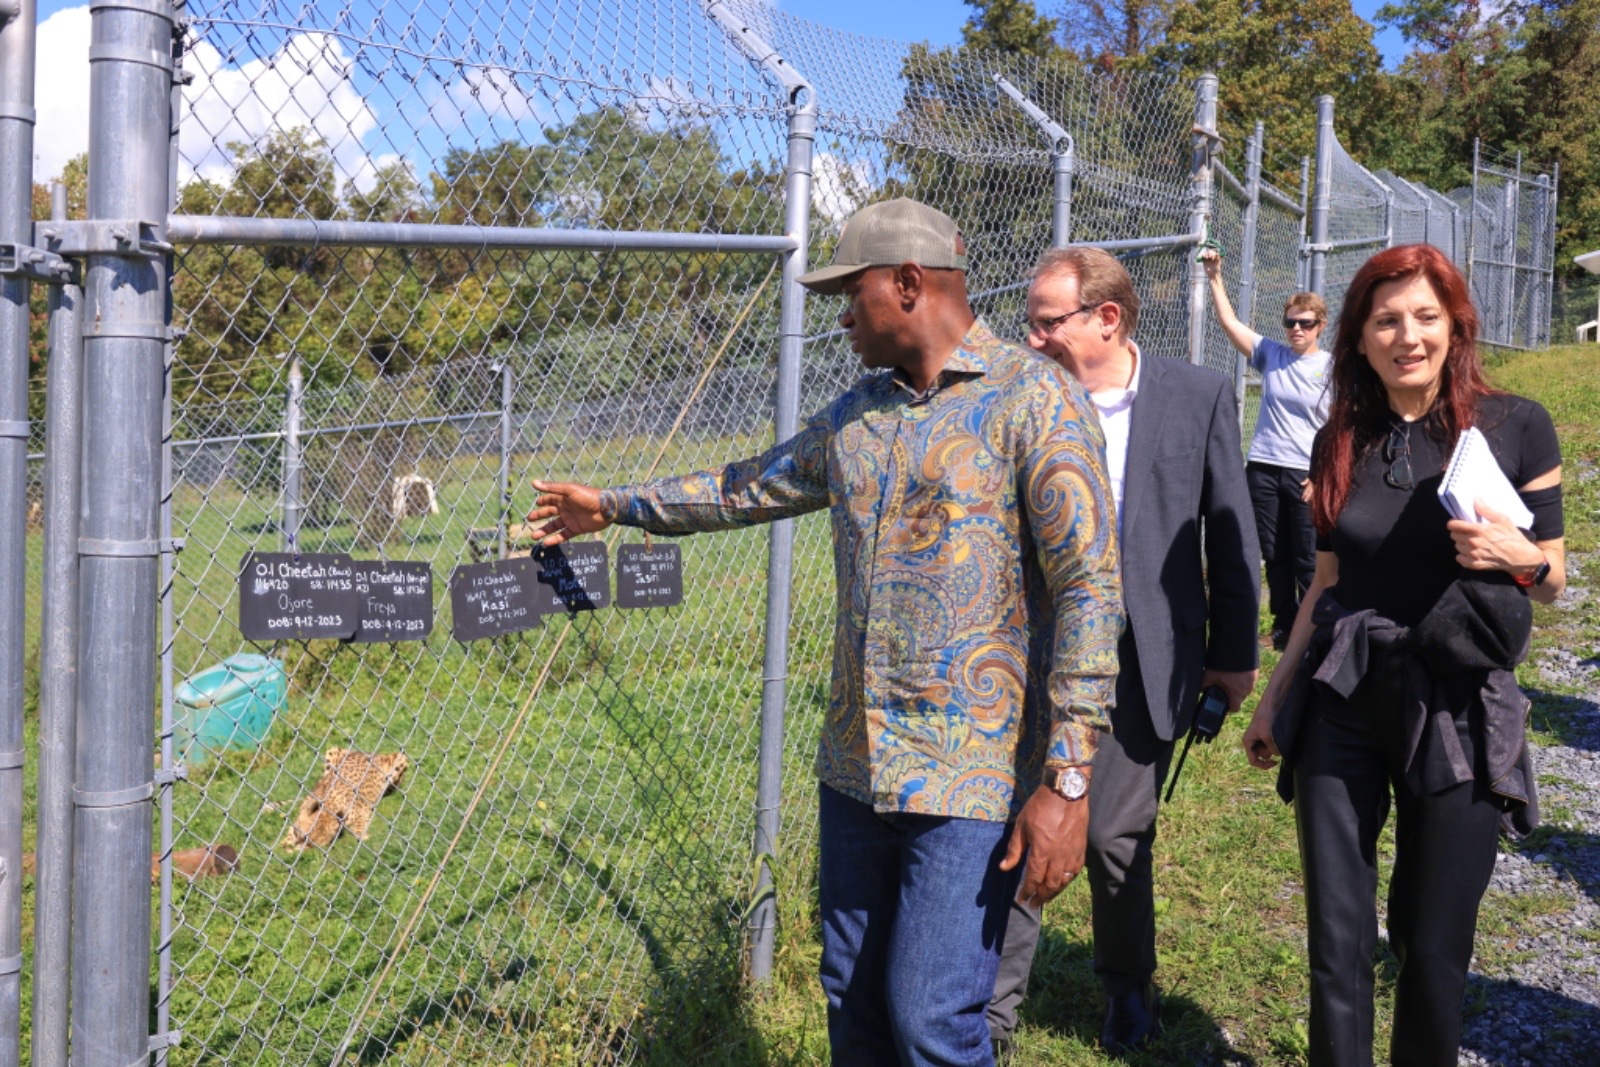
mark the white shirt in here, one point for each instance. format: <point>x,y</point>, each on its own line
<point>1295,395</point>
<point>1116,418</point>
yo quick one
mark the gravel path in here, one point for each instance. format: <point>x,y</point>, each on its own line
<point>1539,988</point>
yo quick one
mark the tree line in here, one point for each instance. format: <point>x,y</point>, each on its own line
<point>1519,75</point>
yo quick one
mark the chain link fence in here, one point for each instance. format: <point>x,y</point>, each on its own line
<point>1511,240</point>
<point>425,254</point>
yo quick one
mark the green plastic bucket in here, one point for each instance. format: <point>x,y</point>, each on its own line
<point>230,706</point>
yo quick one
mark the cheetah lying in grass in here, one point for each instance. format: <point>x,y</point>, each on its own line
<point>344,797</point>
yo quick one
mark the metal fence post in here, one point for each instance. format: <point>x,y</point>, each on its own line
<point>1303,268</point>
<point>1061,161</point>
<point>505,458</point>
<point>1513,229</point>
<point>1205,137</point>
<point>1252,218</point>
<point>125,291</point>
<point>1322,198</point>
<point>1538,299</point>
<point>293,459</point>
<point>801,99</point>
<point>17,42</point>
<point>1247,252</point>
<point>1550,250</point>
<point>1472,220</point>
<point>58,674</point>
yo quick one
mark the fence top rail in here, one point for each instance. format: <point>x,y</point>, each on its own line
<point>1282,199</point>
<point>227,230</point>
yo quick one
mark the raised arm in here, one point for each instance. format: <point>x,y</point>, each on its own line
<point>1242,336</point>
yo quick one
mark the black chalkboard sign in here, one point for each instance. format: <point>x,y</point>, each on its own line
<point>574,577</point>
<point>288,597</point>
<point>396,600</point>
<point>494,598</point>
<point>649,576</point>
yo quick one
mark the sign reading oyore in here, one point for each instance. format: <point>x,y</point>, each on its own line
<point>574,577</point>
<point>502,596</point>
<point>649,576</point>
<point>396,600</point>
<point>289,597</point>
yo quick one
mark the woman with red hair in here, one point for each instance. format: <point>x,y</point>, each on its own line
<point>1395,688</point>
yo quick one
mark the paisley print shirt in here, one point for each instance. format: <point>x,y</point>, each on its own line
<point>979,601</point>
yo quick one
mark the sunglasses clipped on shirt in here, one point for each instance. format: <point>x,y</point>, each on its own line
<point>1397,453</point>
<point>1304,324</point>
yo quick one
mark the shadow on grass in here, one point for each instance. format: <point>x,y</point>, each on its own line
<point>696,1010</point>
<point>1568,854</point>
<point>1573,721</point>
<point>1509,1023</point>
<point>1064,998</point>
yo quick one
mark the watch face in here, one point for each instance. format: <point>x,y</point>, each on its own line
<point>1071,784</point>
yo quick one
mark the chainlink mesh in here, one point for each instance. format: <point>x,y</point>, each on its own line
<point>562,874</point>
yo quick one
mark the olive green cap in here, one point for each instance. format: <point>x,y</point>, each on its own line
<point>886,235</point>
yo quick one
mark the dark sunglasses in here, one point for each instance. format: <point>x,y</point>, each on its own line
<point>1397,453</point>
<point>1304,324</point>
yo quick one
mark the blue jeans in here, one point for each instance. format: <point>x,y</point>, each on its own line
<point>914,911</point>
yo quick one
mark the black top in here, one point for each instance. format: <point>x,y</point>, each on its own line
<point>1395,554</point>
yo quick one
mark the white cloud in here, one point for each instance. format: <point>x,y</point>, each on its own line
<point>61,92</point>
<point>838,186</point>
<point>484,93</point>
<point>307,83</point>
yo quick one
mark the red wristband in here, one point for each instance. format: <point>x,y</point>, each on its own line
<point>1537,577</point>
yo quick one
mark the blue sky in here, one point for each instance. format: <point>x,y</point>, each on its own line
<point>940,21</point>
<point>237,99</point>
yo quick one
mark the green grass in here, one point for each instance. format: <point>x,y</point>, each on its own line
<point>590,912</point>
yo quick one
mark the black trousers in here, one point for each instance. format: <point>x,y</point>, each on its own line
<point>1288,541</point>
<point>1124,792</point>
<point>1347,765</point>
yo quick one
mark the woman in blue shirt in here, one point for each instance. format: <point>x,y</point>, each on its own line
<point>1294,405</point>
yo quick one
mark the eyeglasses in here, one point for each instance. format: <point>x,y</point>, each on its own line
<point>1397,453</point>
<point>1054,323</point>
<point>1300,324</point>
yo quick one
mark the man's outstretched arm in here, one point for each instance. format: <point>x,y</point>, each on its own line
<point>788,480</point>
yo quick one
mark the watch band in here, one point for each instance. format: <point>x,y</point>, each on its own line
<point>1537,577</point>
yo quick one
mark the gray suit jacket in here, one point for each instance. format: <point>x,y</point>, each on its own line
<point>1187,525</point>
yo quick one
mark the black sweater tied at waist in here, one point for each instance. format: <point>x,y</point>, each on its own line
<point>1462,652</point>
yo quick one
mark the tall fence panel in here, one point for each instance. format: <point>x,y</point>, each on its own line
<point>560,869</point>
<point>1512,239</point>
<point>1359,224</point>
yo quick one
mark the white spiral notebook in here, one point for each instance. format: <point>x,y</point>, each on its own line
<point>1474,474</point>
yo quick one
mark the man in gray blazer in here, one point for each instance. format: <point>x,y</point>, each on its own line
<point>1191,590</point>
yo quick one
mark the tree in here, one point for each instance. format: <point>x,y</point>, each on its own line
<point>1012,27</point>
<point>1110,33</point>
<point>1561,46</point>
<point>1273,58</point>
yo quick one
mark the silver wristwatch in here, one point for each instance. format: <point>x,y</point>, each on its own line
<point>1069,783</point>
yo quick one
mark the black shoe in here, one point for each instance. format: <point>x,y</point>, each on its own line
<point>1280,640</point>
<point>1131,1020</point>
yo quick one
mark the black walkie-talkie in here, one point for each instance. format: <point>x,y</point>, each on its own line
<point>1206,724</point>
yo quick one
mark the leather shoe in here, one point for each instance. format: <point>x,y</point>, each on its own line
<point>1131,1020</point>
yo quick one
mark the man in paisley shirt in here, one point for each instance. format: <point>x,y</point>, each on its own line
<point>978,614</point>
<point>1191,584</point>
